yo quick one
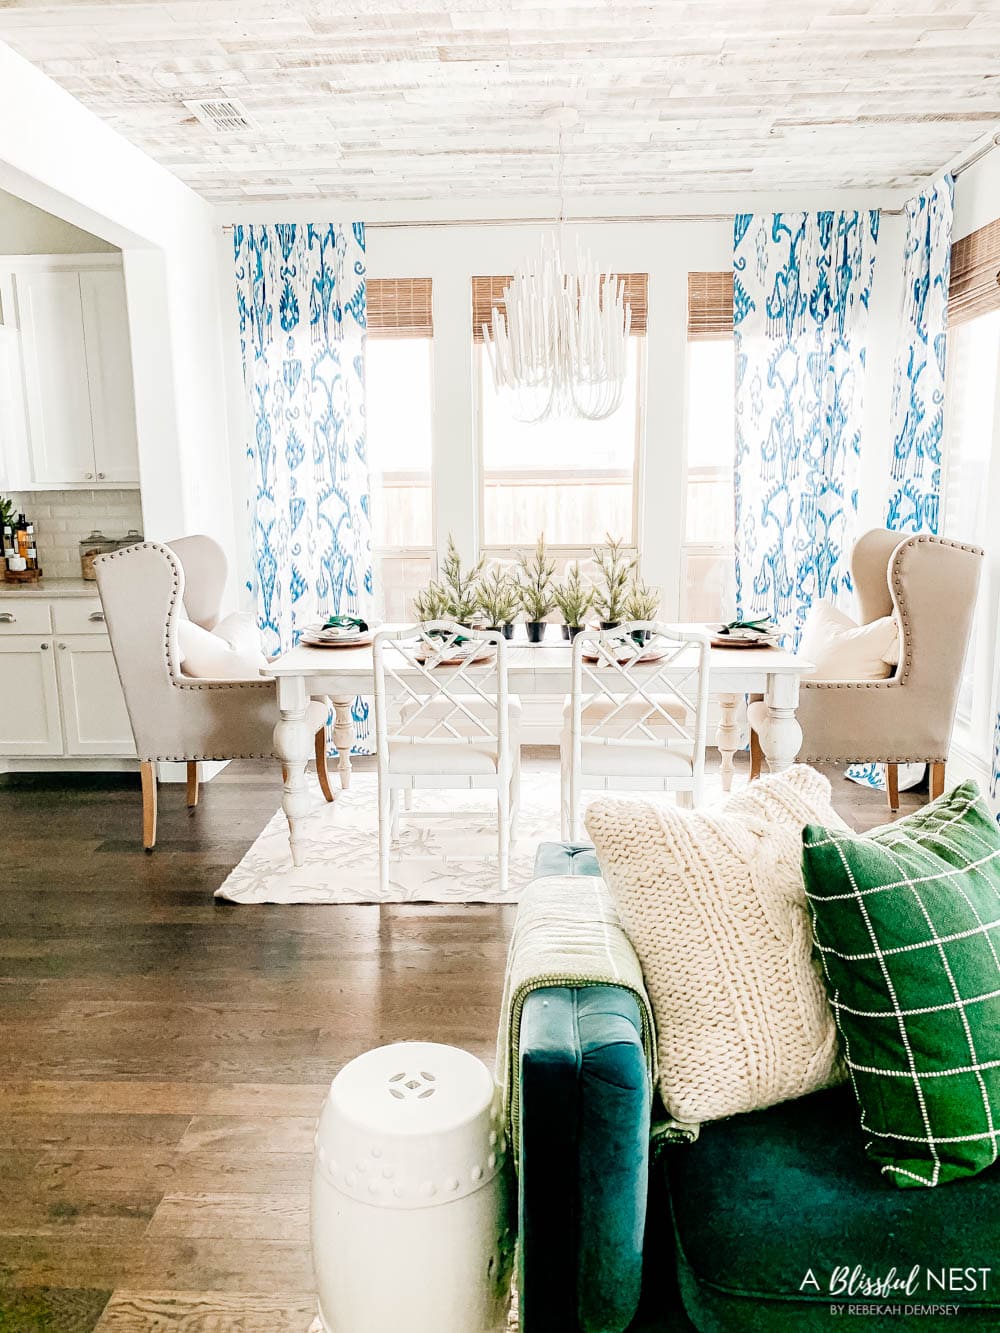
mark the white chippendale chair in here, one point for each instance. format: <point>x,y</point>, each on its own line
<point>637,715</point>
<point>444,726</point>
<point>145,590</point>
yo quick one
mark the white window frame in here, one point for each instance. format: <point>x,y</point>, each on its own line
<point>973,736</point>
<point>709,472</point>
<point>562,551</point>
<point>429,550</point>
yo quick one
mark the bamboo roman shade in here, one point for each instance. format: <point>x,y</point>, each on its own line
<point>487,292</point>
<point>975,269</point>
<point>710,305</point>
<point>399,308</point>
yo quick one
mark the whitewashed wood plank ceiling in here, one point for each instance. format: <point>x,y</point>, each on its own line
<point>400,100</point>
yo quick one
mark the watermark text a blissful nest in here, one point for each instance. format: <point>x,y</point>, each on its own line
<point>895,1292</point>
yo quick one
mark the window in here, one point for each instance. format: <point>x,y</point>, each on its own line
<point>399,429</point>
<point>707,567</point>
<point>973,379</point>
<point>574,480</point>
<point>973,357</point>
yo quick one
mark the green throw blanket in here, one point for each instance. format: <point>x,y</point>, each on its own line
<point>567,933</point>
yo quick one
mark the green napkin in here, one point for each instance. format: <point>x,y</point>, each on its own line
<point>346,622</point>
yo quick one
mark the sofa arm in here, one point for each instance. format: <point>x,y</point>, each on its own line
<point>584,1157</point>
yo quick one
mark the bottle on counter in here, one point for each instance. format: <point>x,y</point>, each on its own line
<point>31,549</point>
<point>17,561</point>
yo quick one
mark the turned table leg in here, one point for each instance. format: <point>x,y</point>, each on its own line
<point>727,737</point>
<point>781,735</point>
<point>293,744</point>
<point>343,738</point>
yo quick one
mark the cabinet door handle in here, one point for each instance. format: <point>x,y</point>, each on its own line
<point>96,615</point>
<point>7,617</point>
<point>44,647</point>
<point>100,476</point>
<point>62,647</point>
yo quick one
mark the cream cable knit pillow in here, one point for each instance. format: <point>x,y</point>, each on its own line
<point>713,902</point>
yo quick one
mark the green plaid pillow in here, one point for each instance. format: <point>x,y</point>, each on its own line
<point>906,921</point>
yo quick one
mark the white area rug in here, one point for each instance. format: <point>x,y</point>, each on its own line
<point>446,851</point>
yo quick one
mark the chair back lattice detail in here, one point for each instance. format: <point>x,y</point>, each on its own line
<point>449,682</point>
<point>642,683</point>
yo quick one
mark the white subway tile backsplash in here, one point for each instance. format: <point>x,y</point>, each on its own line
<point>64,518</point>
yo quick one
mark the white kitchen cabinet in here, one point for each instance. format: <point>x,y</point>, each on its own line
<point>29,697</point>
<point>109,376</point>
<point>79,405</point>
<point>60,696</point>
<point>13,440</point>
<point>95,720</point>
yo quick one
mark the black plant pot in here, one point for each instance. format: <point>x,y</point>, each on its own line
<point>506,629</point>
<point>536,630</point>
<point>642,636</point>
<point>610,624</point>
<point>571,631</point>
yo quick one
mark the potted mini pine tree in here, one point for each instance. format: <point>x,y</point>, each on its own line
<point>535,587</point>
<point>499,600</point>
<point>615,569</point>
<point>461,586</point>
<point>641,603</point>
<point>431,603</point>
<point>573,598</point>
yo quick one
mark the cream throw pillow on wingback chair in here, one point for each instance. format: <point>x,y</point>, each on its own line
<point>841,649</point>
<point>714,904</point>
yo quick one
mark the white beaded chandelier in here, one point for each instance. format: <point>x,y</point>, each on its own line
<point>560,346</point>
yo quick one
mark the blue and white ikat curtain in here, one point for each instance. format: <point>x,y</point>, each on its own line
<point>802,283</point>
<point>301,300</point>
<point>917,418</point>
<point>917,413</point>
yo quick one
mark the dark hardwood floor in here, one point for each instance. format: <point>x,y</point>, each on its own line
<point>164,1055</point>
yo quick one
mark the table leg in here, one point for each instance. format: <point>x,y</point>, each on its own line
<point>781,735</point>
<point>343,737</point>
<point>727,737</point>
<point>293,745</point>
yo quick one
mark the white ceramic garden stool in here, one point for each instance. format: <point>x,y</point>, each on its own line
<point>411,1226</point>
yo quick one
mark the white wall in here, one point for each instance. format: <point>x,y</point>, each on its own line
<point>977,195</point>
<point>450,254</point>
<point>58,156</point>
<point>26,230</point>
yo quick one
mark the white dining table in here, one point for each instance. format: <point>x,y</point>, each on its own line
<point>343,673</point>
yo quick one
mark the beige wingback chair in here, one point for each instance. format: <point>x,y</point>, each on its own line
<point>175,717</point>
<point>930,585</point>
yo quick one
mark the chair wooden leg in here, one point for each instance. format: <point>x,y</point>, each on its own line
<point>148,774</point>
<point>892,785</point>
<point>193,783</point>
<point>321,769</point>
<point>756,756</point>
<point>937,781</point>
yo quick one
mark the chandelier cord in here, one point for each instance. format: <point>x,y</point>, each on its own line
<point>560,191</point>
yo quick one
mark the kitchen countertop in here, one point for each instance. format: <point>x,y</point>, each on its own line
<point>46,588</point>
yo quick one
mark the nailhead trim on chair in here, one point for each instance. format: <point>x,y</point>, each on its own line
<point>252,685</point>
<point>899,598</point>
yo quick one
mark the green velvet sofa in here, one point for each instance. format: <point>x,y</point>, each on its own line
<point>746,1229</point>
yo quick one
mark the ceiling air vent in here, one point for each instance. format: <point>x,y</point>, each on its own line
<point>222,115</point>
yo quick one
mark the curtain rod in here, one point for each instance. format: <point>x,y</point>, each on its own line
<point>977,156</point>
<point>573,221</point>
<point>962,167</point>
